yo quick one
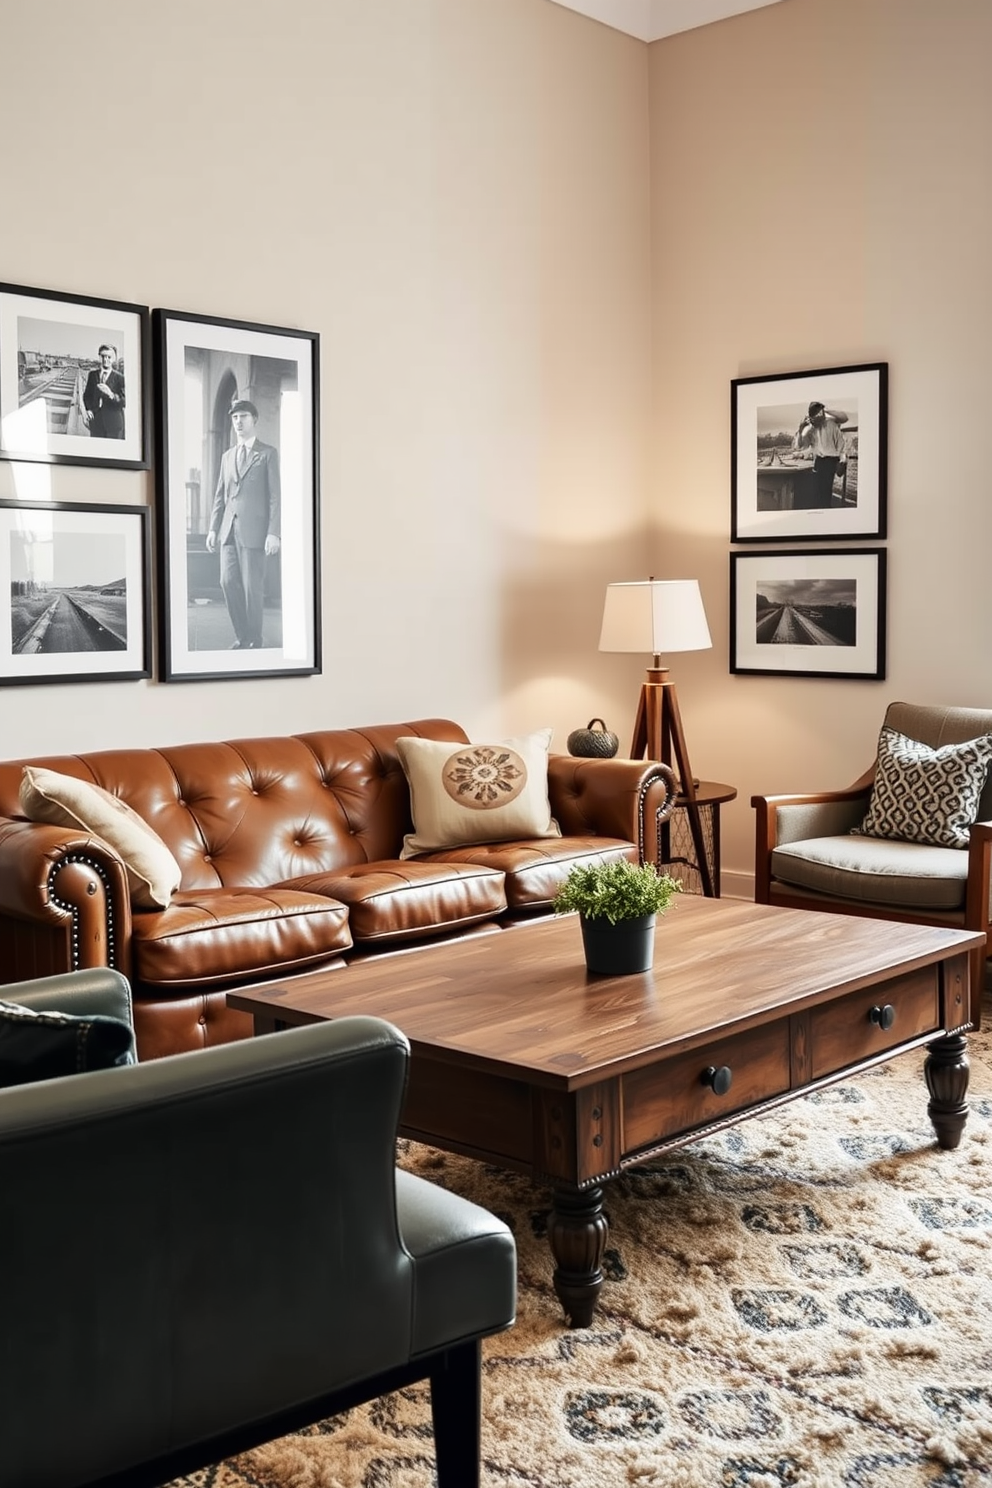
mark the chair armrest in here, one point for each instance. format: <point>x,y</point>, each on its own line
<point>795,818</point>
<point>100,991</point>
<point>618,798</point>
<point>978,894</point>
<point>60,880</point>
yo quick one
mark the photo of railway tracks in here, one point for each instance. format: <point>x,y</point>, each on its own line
<point>67,593</point>
<point>806,612</point>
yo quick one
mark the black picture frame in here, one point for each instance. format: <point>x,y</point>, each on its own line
<point>816,612</point>
<point>76,580</point>
<point>780,490</point>
<point>54,406</point>
<point>204,365</point>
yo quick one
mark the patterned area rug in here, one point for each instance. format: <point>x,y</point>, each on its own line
<point>804,1301</point>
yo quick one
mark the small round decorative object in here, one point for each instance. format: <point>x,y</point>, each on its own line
<point>593,742</point>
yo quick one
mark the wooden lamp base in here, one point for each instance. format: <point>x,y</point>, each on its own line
<point>658,735</point>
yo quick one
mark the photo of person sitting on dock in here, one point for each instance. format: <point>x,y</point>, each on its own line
<point>807,457</point>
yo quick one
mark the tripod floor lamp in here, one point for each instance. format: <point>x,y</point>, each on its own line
<point>656,616</point>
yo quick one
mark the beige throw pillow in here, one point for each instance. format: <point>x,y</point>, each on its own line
<point>462,794</point>
<point>153,874</point>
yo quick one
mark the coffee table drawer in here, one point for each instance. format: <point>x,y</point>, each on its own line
<point>665,1099</point>
<point>866,1023</point>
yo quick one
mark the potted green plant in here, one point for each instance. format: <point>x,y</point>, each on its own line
<point>617,904</point>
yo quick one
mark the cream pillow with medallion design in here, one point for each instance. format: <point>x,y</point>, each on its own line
<point>461,794</point>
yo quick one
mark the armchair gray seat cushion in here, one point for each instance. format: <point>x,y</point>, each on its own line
<point>214,1248</point>
<point>876,870</point>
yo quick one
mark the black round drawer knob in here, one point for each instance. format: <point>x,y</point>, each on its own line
<point>719,1080</point>
<point>883,1016</point>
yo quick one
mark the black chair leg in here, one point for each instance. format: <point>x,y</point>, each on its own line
<point>456,1409</point>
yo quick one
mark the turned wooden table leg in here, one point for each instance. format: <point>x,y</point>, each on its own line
<point>946,1072</point>
<point>577,1231</point>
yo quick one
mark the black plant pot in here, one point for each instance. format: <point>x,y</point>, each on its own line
<point>620,949</point>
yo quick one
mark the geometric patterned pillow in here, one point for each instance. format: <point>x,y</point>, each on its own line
<point>926,795</point>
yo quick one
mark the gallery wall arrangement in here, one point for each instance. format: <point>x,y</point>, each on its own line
<point>809,463</point>
<point>234,449</point>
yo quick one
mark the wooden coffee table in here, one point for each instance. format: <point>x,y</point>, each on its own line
<point>522,1058</point>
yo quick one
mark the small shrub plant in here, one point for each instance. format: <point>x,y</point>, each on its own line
<point>615,891</point>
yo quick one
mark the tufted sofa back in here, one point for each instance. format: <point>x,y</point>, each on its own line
<point>255,812</point>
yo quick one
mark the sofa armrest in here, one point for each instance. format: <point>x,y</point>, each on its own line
<point>619,798</point>
<point>795,818</point>
<point>65,891</point>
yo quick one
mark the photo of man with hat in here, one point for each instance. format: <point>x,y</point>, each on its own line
<point>820,432</point>
<point>244,522</point>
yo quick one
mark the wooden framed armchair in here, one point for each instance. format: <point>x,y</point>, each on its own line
<point>807,858</point>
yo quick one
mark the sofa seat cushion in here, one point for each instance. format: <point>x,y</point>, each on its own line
<point>395,900</point>
<point>877,870</point>
<point>536,869</point>
<point>225,935</point>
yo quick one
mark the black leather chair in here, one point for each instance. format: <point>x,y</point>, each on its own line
<point>209,1250</point>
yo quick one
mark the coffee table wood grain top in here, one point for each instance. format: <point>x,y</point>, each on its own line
<point>521,1057</point>
<point>521,999</point>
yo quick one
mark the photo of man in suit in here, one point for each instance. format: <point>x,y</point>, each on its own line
<point>103,397</point>
<point>244,522</point>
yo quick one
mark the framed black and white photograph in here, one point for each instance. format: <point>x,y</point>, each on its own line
<point>238,498</point>
<point>74,379</point>
<point>819,613</point>
<point>808,454</point>
<point>76,585</point>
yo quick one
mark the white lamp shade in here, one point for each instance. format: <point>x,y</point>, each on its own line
<point>654,615</point>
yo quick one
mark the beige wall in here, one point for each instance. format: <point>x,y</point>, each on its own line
<point>537,251</point>
<point>822,196</point>
<point>454,194</point>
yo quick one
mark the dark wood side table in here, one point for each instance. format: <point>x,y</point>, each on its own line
<point>694,857</point>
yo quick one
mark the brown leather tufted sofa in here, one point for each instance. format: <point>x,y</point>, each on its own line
<point>289,849</point>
